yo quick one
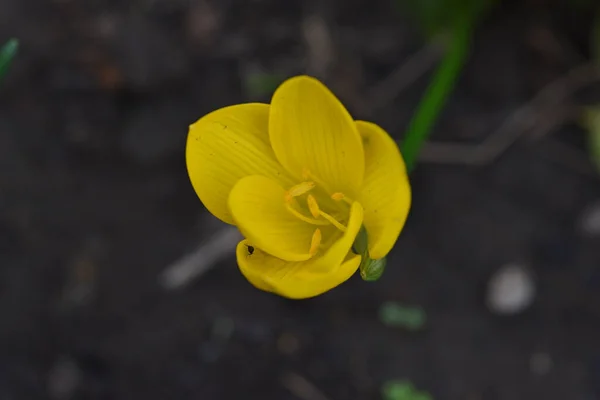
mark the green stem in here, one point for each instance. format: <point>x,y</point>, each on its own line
<point>437,93</point>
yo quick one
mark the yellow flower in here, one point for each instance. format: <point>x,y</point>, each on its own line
<point>299,178</point>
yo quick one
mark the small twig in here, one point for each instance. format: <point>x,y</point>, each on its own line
<point>552,119</point>
<point>390,87</point>
<point>451,153</point>
<point>207,255</point>
<point>301,387</point>
<point>523,120</point>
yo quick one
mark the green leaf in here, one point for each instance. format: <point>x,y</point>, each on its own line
<point>7,53</point>
<point>457,19</point>
<point>437,93</point>
<point>396,315</point>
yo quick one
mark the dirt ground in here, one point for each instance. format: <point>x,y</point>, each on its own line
<point>95,202</point>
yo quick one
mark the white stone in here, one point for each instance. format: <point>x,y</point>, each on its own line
<point>511,290</point>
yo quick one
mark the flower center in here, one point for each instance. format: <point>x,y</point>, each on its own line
<point>334,213</point>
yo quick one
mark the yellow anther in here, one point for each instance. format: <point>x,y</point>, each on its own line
<point>313,206</point>
<point>315,242</point>
<point>300,189</point>
<point>338,196</point>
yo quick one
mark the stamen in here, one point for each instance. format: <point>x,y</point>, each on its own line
<point>315,242</point>
<point>333,221</point>
<point>306,174</point>
<point>301,188</point>
<point>337,196</point>
<point>304,218</point>
<point>313,206</point>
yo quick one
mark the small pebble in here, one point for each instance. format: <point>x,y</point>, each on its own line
<point>511,290</point>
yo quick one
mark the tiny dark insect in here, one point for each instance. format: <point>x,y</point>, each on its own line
<point>250,250</point>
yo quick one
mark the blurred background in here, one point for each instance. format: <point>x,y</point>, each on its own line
<point>492,292</point>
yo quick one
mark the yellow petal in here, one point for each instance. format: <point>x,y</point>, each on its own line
<point>258,207</point>
<point>226,145</point>
<point>299,280</point>
<point>311,131</point>
<point>386,194</point>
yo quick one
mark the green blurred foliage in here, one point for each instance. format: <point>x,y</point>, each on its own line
<point>397,315</point>
<point>261,84</point>
<point>7,53</point>
<point>402,390</point>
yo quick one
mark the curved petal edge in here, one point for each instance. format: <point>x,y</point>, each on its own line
<point>386,192</point>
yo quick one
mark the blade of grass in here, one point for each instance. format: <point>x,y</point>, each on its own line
<point>438,91</point>
<point>7,53</point>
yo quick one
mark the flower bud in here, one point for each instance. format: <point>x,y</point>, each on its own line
<point>371,270</point>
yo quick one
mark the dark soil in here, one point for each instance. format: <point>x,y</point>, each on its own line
<point>95,202</point>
